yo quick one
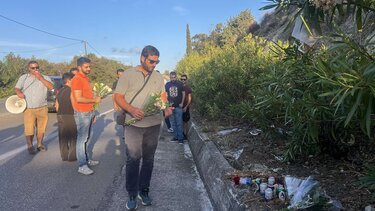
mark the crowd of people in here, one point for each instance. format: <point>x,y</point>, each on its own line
<point>75,115</point>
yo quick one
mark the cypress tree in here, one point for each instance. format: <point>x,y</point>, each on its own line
<point>188,40</point>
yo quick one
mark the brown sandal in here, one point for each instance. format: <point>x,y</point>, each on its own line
<point>41,148</point>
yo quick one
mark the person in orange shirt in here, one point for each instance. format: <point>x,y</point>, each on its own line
<point>83,102</point>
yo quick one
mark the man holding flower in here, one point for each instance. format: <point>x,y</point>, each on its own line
<point>133,92</point>
<point>83,101</point>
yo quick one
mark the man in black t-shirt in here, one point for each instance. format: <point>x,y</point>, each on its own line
<point>186,106</point>
<point>65,120</point>
<point>176,97</point>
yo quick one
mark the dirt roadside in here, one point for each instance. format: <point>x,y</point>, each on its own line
<point>246,151</point>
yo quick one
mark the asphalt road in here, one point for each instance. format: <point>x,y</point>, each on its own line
<point>44,182</point>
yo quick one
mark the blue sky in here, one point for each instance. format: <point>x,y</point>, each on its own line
<point>116,29</point>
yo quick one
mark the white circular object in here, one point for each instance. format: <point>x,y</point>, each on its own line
<point>15,105</point>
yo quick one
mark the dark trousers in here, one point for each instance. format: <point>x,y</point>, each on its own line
<point>168,122</point>
<point>140,145</point>
<point>67,137</point>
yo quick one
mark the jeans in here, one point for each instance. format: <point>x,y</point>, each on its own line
<point>176,121</point>
<point>83,122</point>
<point>140,144</point>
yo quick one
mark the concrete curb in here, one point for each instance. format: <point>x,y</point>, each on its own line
<point>212,168</point>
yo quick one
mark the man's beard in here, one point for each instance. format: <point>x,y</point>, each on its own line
<point>148,69</point>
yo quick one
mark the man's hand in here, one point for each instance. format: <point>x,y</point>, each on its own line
<point>38,75</point>
<point>98,99</point>
<point>21,95</point>
<point>137,113</point>
<point>168,112</point>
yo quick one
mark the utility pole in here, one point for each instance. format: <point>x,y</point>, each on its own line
<point>85,46</point>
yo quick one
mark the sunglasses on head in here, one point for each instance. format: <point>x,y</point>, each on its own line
<point>153,61</point>
<point>33,68</point>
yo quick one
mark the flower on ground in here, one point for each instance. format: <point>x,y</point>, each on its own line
<point>156,102</point>
<point>101,90</point>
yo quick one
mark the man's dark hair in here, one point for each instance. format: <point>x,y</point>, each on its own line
<point>184,75</point>
<point>32,62</point>
<point>149,50</point>
<point>173,73</point>
<point>73,69</point>
<point>120,70</point>
<point>82,60</point>
<point>67,76</point>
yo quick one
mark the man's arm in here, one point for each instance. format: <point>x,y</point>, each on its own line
<point>115,106</point>
<point>19,93</point>
<point>80,99</point>
<point>188,102</point>
<point>183,99</point>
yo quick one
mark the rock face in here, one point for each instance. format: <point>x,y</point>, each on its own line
<point>274,26</point>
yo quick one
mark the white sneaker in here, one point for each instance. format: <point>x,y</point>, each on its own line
<point>85,170</point>
<point>170,130</point>
<point>93,162</point>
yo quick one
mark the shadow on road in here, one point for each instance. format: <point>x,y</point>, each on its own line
<point>11,133</point>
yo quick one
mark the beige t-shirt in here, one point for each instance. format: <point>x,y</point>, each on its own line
<point>130,83</point>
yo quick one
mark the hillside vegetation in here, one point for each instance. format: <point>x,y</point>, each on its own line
<point>13,66</point>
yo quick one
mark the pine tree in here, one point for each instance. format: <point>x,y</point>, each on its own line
<point>188,40</point>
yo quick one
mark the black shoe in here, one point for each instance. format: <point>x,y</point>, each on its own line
<point>143,196</point>
<point>132,203</point>
<point>31,150</point>
<point>174,140</point>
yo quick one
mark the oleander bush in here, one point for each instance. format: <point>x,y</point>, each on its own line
<point>320,100</point>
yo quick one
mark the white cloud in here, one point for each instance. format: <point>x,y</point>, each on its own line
<point>180,10</point>
<point>127,52</point>
<point>116,56</point>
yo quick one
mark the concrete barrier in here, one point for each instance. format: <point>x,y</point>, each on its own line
<point>213,167</point>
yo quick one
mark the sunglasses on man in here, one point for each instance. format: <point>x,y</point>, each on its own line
<point>34,68</point>
<point>153,61</point>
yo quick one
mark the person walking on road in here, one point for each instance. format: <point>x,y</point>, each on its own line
<point>176,96</point>
<point>186,106</point>
<point>119,114</point>
<point>119,72</point>
<point>141,138</point>
<point>67,127</point>
<point>83,101</point>
<point>33,87</point>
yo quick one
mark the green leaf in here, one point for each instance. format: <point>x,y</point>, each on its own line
<point>354,108</point>
<point>368,116</point>
<point>359,19</point>
<point>270,6</point>
<point>369,70</point>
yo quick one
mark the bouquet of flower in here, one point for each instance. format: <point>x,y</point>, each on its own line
<point>101,90</point>
<point>154,104</point>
